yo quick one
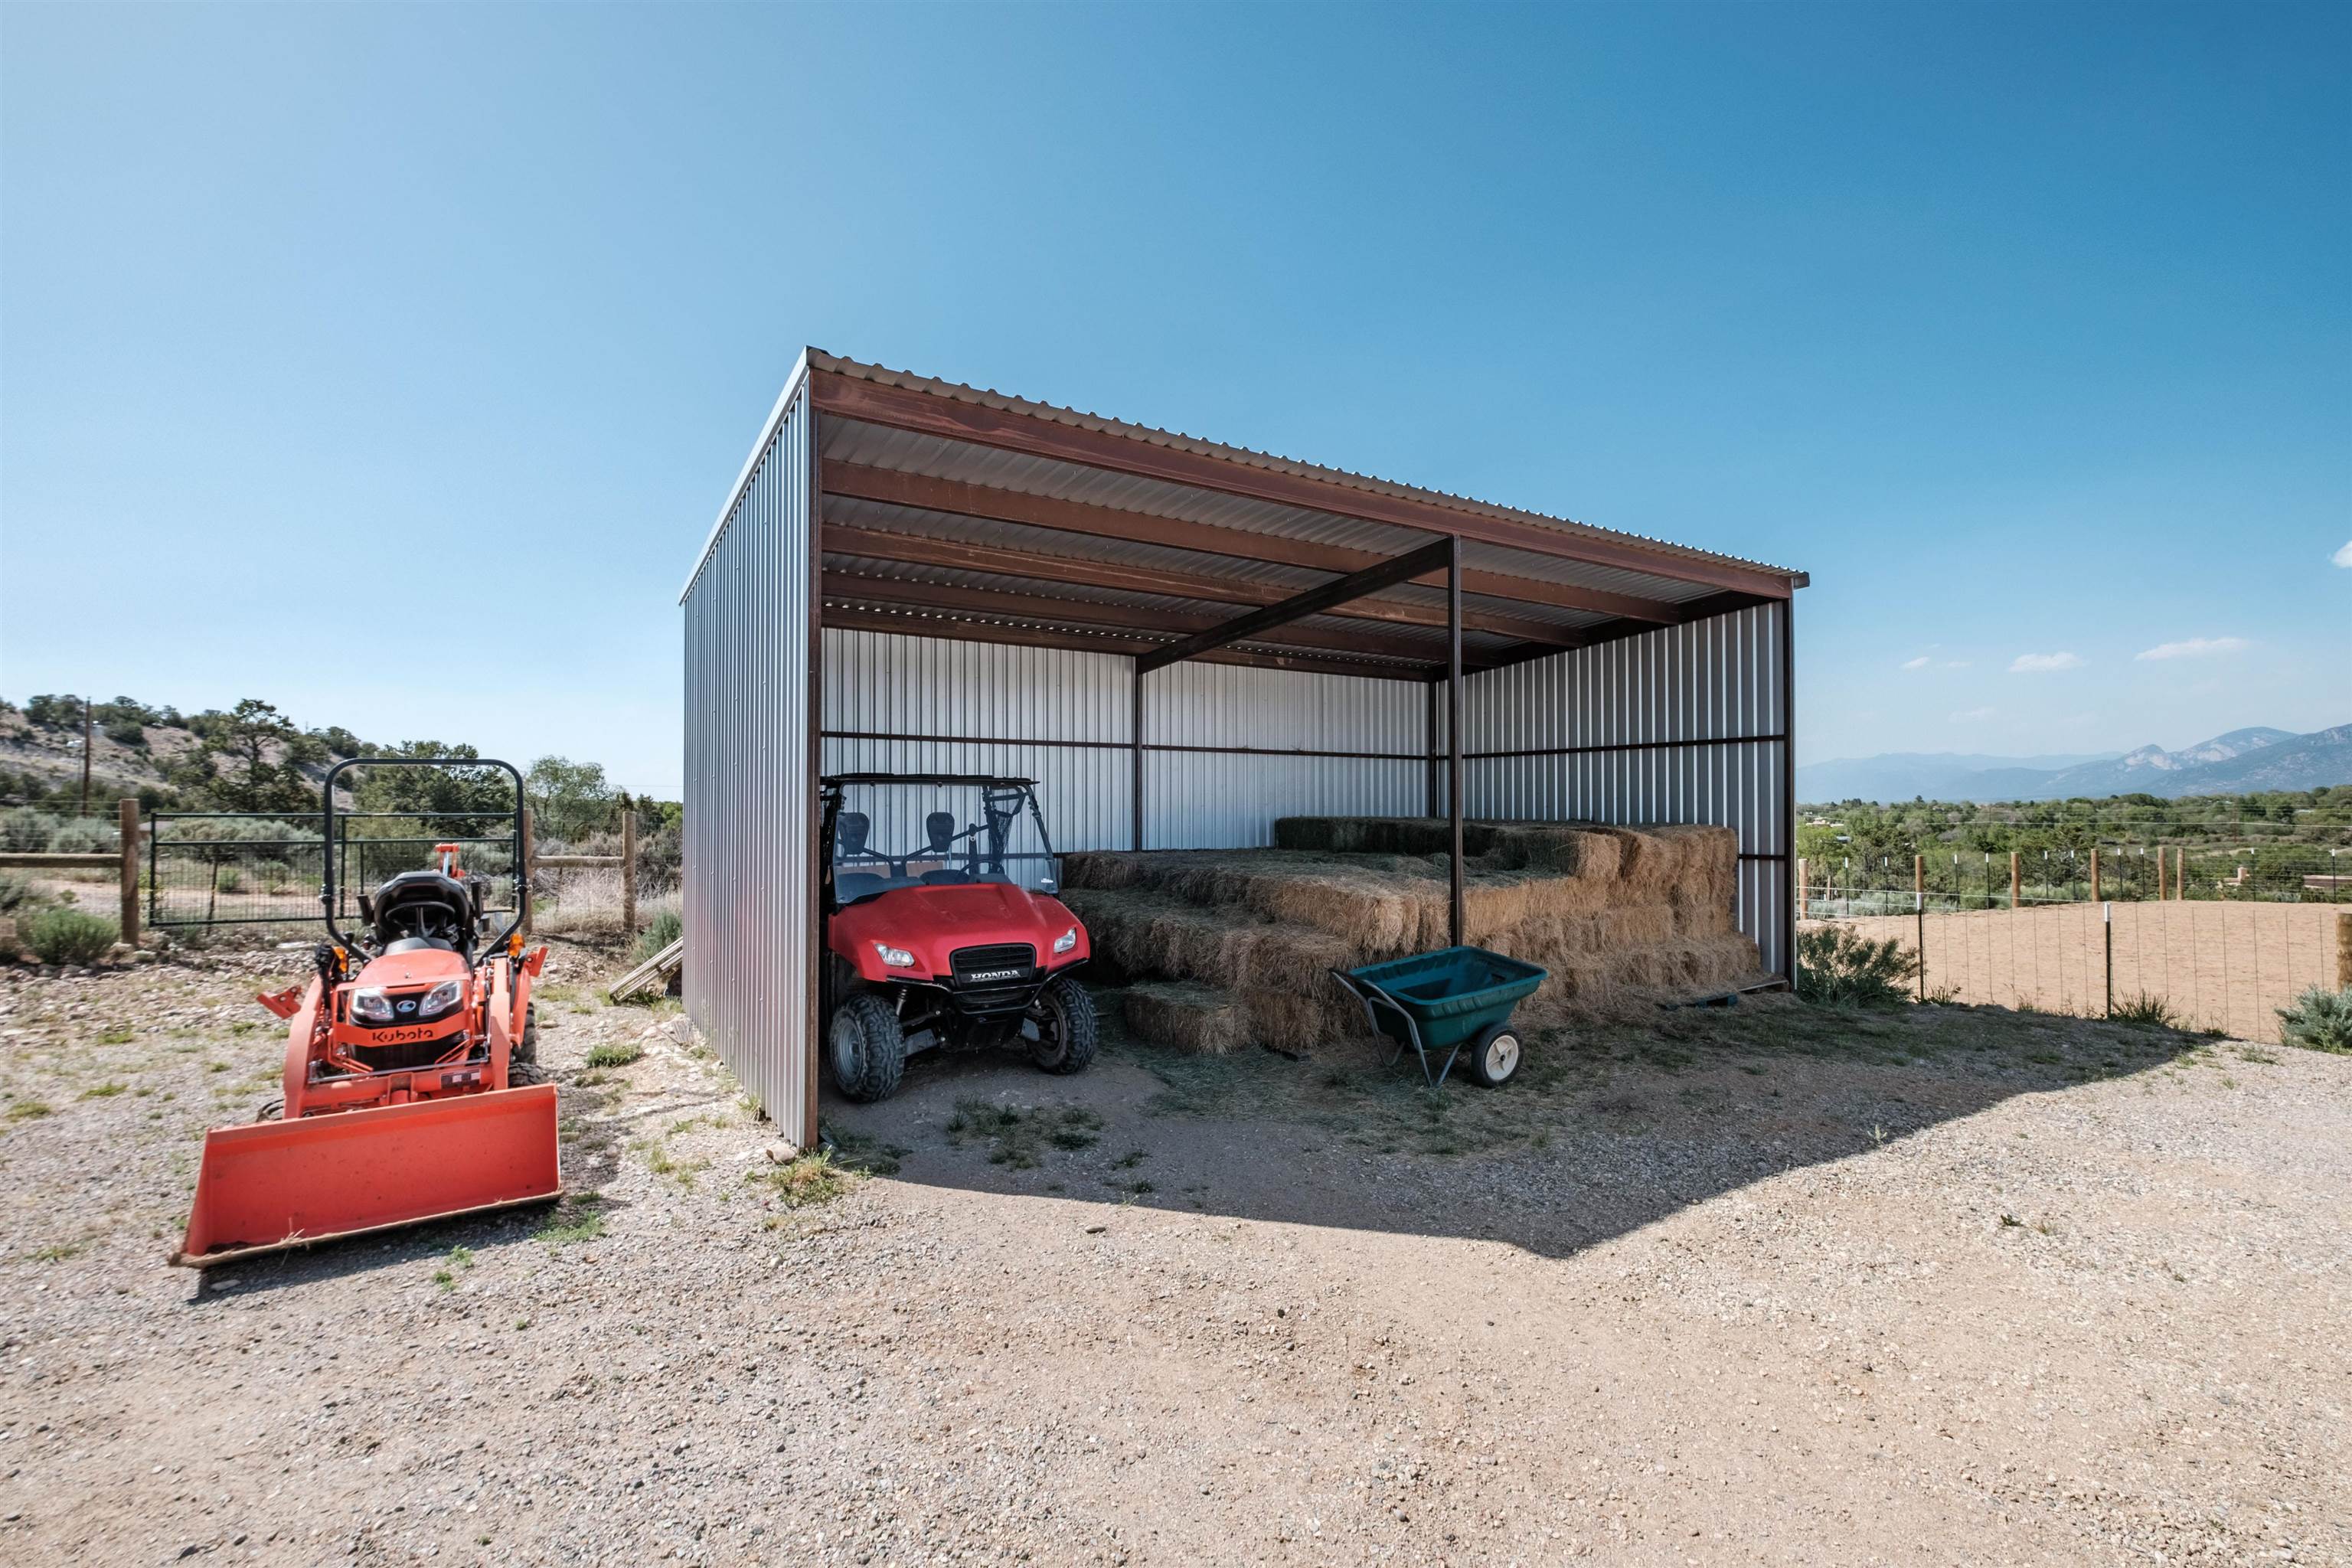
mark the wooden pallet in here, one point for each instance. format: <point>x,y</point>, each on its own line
<point>654,971</point>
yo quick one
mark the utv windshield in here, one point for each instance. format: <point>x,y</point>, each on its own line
<point>918,834</point>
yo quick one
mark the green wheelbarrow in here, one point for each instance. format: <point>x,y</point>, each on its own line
<point>1457,1000</point>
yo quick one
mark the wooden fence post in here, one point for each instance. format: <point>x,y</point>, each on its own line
<point>2016,881</point>
<point>129,817</point>
<point>629,874</point>
<point>1801,901</point>
<point>2343,951</point>
<point>530,864</point>
<point>2094,875</point>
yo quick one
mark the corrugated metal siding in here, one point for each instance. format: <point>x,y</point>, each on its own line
<point>1698,688</point>
<point>1223,800</point>
<point>930,705</point>
<point>962,707</point>
<point>749,820</point>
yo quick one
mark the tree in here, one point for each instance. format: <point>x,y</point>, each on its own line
<point>453,802</point>
<point>569,800</point>
<point>251,760</point>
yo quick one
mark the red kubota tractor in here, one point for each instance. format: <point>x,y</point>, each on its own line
<point>405,1057</point>
<point>953,941</point>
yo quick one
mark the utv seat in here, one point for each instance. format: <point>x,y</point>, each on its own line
<point>848,886</point>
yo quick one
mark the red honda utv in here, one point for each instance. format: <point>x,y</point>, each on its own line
<point>941,928</point>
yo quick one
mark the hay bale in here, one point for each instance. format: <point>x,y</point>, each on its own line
<point>1186,1016</point>
<point>1621,917</point>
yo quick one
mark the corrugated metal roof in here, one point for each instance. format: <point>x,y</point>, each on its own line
<point>935,456</point>
<point>988,398</point>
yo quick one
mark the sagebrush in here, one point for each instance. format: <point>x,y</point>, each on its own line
<point>68,936</point>
<point>2318,1020</point>
<point>1839,967</point>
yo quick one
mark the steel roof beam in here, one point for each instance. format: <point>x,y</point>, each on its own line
<point>1095,613</point>
<point>957,498</point>
<point>931,414</point>
<point>943,625</point>
<point>1314,602</point>
<point>922,550</point>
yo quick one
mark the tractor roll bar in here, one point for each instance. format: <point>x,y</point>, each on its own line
<point>327,833</point>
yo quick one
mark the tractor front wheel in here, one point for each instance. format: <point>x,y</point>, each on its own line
<point>865,1047</point>
<point>1066,1037</point>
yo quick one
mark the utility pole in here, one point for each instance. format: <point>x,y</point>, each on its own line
<point>85,756</point>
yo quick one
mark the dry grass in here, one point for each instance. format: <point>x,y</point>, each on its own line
<point>586,903</point>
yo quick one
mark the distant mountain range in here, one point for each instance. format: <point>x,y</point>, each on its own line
<point>2241,762</point>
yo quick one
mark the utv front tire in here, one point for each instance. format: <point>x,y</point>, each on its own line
<point>864,1048</point>
<point>1066,1035</point>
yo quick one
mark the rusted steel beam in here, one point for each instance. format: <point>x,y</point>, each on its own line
<point>1260,624</point>
<point>960,630</point>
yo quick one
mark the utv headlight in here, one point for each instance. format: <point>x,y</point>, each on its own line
<point>371,1005</point>
<point>441,998</point>
<point>895,957</point>
<point>1066,941</point>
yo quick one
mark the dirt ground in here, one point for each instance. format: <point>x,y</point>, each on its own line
<point>2228,966</point>
<point>1766,1284</point>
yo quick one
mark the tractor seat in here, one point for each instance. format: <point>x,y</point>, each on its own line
<point>424,906</point>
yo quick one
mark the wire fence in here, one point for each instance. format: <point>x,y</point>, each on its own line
<point>2215,963</point>
<point>219,868</point>
<point>1974,879</point>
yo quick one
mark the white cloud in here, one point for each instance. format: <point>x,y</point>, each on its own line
<point>1919,663</point>
<point>2041,663</point>
<point>2344,556</point>
<point>1973,716</point>
<point>2194,648</point>
<point>1956,664</point>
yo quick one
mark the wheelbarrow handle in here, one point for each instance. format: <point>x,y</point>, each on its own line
<point>1370,997</point>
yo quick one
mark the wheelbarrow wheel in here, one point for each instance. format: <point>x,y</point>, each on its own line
<point>1492,1056</point>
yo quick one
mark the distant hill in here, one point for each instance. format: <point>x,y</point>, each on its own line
<point>2243,761</point>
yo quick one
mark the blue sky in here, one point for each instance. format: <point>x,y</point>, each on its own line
<point>2027,331</point>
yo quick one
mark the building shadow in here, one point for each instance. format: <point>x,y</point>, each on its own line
<point>1607,1128</point>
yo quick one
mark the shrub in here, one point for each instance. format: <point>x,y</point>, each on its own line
<point>80,836</point>
<point>27,830</point>
<point>2318,1020</point>
<point>1839,967</point>
<point>68,936</point>
<point>667,927</point>
<point>2150,1011</point>
<point>615,1056</point>
<point>18,891</point>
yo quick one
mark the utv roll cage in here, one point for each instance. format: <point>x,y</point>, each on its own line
<point>840,835</point>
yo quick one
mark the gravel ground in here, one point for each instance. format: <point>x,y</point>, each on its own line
<point>1770,1286</point>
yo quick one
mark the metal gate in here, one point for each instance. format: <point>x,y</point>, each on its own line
<point>225,867</point>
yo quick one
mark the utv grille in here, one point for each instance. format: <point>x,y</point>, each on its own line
<point>994,979</point>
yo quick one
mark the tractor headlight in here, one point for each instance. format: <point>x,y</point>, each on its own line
<point>371,1005</point>
<point>1066,941</point>
<point>895,957</point>
<point>441,998</point>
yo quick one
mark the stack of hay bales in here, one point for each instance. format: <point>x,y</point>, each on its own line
<point>1229,948</point>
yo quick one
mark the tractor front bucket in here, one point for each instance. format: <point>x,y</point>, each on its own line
<point>277,1184</point>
